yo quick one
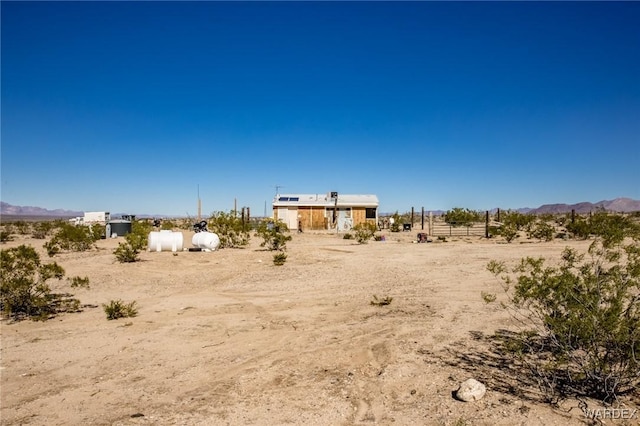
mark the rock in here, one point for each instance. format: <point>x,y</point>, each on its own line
<point>470,390</point>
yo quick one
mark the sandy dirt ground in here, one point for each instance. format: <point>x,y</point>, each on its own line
<point>228,338</point>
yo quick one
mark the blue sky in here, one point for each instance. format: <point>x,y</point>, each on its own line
<point>133,106</point>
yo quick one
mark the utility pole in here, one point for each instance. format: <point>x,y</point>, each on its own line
<point>199,205</point>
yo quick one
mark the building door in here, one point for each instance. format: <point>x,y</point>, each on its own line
<point>293,218</point>
<point>288,215</point>
<point>345,221</point>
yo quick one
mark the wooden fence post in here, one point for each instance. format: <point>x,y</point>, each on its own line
<point>486,226</point>
<point>430,223</point>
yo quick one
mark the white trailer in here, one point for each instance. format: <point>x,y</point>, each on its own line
<point>96,217</point>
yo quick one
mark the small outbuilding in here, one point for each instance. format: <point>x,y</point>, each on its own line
<point>330,211</point>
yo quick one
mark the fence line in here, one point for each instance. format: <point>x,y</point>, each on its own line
<point>451,230</point>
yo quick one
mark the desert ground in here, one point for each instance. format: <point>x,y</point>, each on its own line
<point>228,338</point>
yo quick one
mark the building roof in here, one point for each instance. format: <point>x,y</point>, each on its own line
<point>325,200</point>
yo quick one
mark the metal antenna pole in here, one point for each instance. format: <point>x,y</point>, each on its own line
<point>199,205</point>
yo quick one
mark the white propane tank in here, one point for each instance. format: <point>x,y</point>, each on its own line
<point>165,240</point>
<point>207,241</point>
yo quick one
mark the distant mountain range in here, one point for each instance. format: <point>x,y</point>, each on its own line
<point>10,210</point>
<point>620,205</point>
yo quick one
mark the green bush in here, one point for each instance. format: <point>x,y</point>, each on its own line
<point>126,253</point>
<point>462,217</point>
<point>21,227</point>
<point>540,230</point>
<point>509,232</point>
<point>135,242</point>
<point>347,236</point>
<point>581,319</point>
<point>5,235</point>
<point>230,228</point>
<point>71,238</point>
<point>517,220</point>
<point>167,225</point>
<point>119,309</point>
<point>397,219</point>
<point>364,232</point>
<point>97,231</point>
<point>79,282</point>
<point>579,228</point>
<point>273,233</point>
<point>612,228</point>
<point>279,259</point>
<point>24,290</point>
<point>41,230</point>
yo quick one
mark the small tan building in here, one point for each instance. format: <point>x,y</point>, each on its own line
<point>334,211</point>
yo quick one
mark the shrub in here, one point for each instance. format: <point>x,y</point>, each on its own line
<point>517,220</point>
<point>540,230</point>
<point>97,231</point>
<point>5,235</point>
<point>167,225</point>
<point>611,228</point>
<point>508,232</point>
<point>21,227</point>
<point>135,242</point>
<point>347,236</point>
<point>118,309</point>
<point>125,253</point>
<point>273,234</point>
<point>41,230</point>
<point>488,297</point>
<point>71,238</point>
<point>24,290</point>
<point>582,319</point>
<point>231,229</point>
<point>79,282</point>
<point>395,226</point>
<point>279,259</point>
<point>579,228</point>
<point>462,217</point>
<point>364,231</point>
<point>547,217</point>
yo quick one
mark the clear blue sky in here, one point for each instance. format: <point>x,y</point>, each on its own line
<point>130,106</point>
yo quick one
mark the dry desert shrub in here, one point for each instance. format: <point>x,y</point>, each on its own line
<point>580,320</point>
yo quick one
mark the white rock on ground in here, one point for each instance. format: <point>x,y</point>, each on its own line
<point>470,390</point>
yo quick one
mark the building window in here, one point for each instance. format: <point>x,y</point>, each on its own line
<point>370,213</point>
